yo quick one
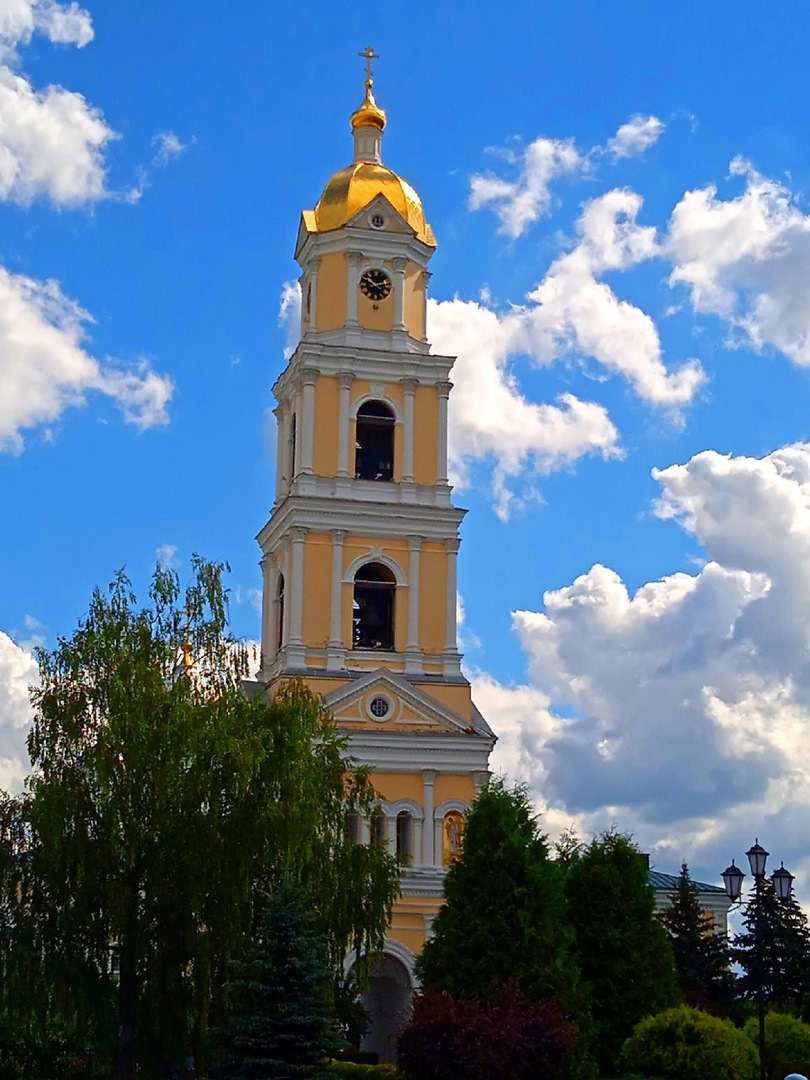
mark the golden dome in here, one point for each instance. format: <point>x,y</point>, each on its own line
<point>353,188</point>
<point>369,114</point>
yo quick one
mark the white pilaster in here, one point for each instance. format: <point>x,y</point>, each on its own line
<point>309,321</point>
<point>479,779</point>
<point>399,265</point>
<point>355,261</point>
<point>295,443</point>
<point>309,375</point>
<point>268,565</point>
<point>428,806</point>
<point>452,660</point>
<point>409,390</point>
<point>336,651</point>
<point>345,380</point>
<point>392,836</point>
<point>295,601</point>
<point>413,655</point>
<point>278,412</point>
<point>444,389</point>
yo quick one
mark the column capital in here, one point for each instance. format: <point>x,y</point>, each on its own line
<point>313,264</point>
<point>409,385</point>
<point>356,258</point>
<point>452,545</point>
<point>444,388</point>
<point>338,535</point>
<point>400,264</point>
<point>415,542</point>
<point>309,375</point>
<point>298,533</point>
<point>345,379</point>
<point>429,776</point>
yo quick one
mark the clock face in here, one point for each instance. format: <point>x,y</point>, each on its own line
<point>375,284</point>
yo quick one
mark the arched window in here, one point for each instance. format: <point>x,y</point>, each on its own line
<point>373,608</point>
<point>405,837</point>
<point>374,442</point>
<point>379,827</point>
<point>452,833</point>
<point>280,613</point>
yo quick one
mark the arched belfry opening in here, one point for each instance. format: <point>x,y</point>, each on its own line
<point>280,613</point>
<point>373,608</point>
<point>374,442</point>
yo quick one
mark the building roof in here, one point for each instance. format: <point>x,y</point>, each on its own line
<point>669,882</point>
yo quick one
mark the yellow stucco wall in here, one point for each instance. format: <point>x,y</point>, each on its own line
<point>432,587</point>
<point>331,292</point>
<point>455,696</point>
<point>395,786</point>
<point>327,412</point>
<point>453,787</point>
<point>318,578</point>
<point>426,434</point>
<point>415,301</point>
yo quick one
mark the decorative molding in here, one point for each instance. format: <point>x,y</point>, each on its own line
<point>375,554</point>
<point>377,394</point>
<point>449,806</point>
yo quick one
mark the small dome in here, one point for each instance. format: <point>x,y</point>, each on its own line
<point>354,187</point>
<point>369,114</point>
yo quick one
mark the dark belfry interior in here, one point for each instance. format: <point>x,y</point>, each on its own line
<point>374,591</point>
<point>374,442</point>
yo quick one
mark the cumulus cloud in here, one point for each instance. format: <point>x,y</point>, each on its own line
<point>45,369</point>
<point>289,316</point>
<point>18,671</point>
<point>679,710</point>
<point>52,141</point>
<point>490,418</point>
<point>746,259</point>
<point>522,201</point>
<point>636,136</point>
<point>167,146</point>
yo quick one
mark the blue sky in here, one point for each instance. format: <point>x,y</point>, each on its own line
<point>619,192</point>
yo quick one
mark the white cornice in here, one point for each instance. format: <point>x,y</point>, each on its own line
<point>412,751</point>
<point>376,362</point>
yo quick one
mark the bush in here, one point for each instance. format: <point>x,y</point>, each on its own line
<point>787,1044</point>
<point>687,1044</point>
<point>506,1039</point>
<point>352,1070</point>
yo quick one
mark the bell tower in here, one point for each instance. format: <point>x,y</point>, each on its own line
<point>359,555</point>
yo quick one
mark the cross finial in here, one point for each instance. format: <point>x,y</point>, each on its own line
<point>369,55</point>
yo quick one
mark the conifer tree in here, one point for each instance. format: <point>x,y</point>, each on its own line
<point>702,957</point>
<point>776,936</point>
<point>624,953</point>
<point>503,920</point>
<point>281,1025</point>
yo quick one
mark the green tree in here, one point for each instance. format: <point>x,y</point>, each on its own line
<point>281,1023</point>
<point>702,957</point>
<point>624,953</point>
<point>503,920</point>
<point>774,947</point>
<point>162,795</point>
<point>787,1044</point>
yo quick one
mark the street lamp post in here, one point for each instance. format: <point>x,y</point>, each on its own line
<point>782,882</point>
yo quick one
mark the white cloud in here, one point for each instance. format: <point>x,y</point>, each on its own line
<point>689,700</point>
<point>636,136</point>
<point>167,146</point>
<point>66,24</point>
<point>18,671</point>
<point>166,556</point>
<point>519,203</point>
<point>747,260</point>
<point>489,415</point>
<point>289,316</point>
<point>44,368</point>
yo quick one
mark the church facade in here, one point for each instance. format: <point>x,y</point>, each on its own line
<point>359,554</point>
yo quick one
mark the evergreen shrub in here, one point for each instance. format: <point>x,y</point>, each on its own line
<point>353,1070</point>
<point>687,1044</point>
<point>787,1044</point>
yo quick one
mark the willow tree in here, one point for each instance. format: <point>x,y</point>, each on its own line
<point>162,796</point>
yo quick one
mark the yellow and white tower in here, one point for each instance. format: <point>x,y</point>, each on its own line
<point>359,554</point>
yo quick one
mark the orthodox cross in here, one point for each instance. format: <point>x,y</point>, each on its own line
<point>370,55</point>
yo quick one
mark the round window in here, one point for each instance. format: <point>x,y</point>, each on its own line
<point>377,221</point>
<point>380,707</point>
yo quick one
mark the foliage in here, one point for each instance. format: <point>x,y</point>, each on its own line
<point>787,1044</point>
<point>353,1071</point>
<point>702,957</point>
<point>624,952</point>
<point>687,1044</point>
<point>503,919</point>
<point>779,929</point>
<point>507,1038</point>
<point>162,796</point>
<point>280,1017</point>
